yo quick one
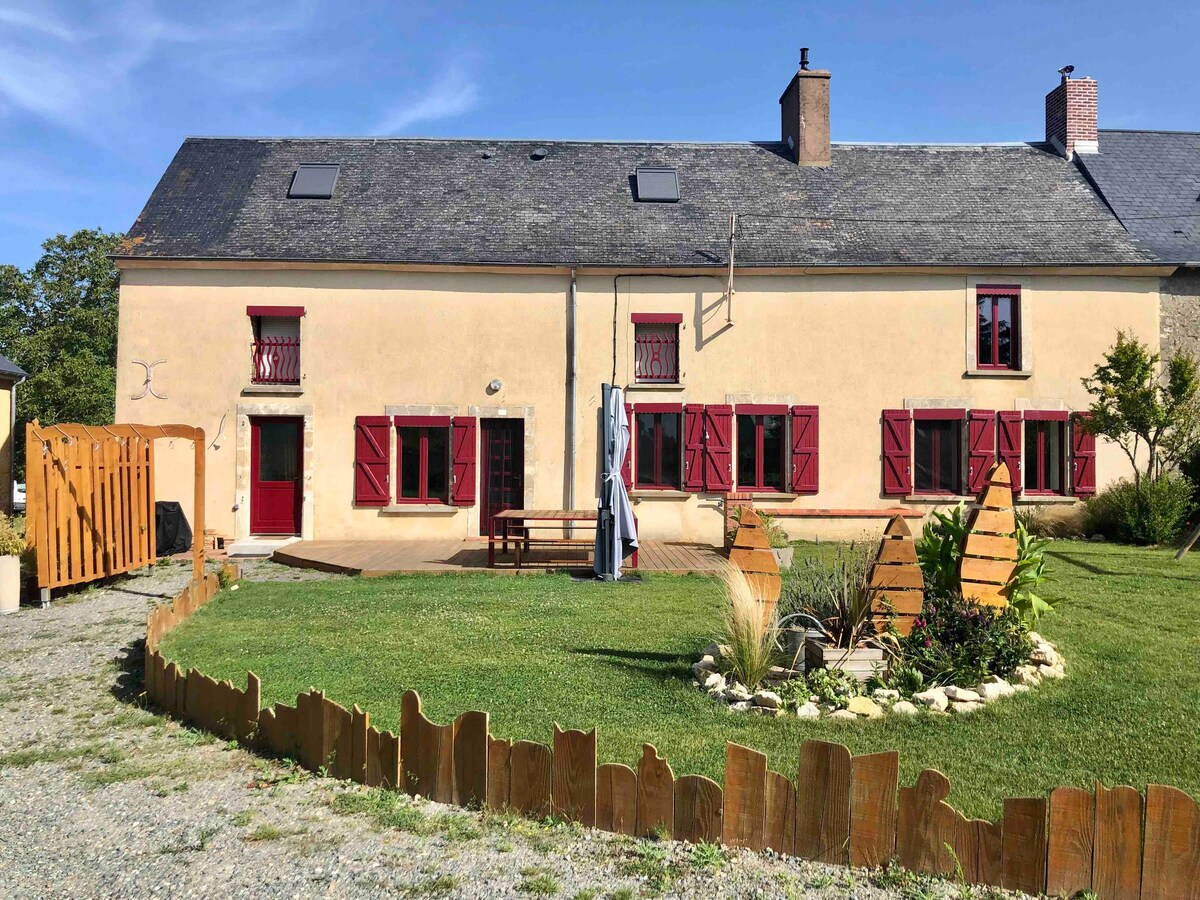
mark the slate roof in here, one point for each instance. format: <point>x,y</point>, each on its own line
<point>478,202</point>
<point>1151,179</point>
<point>10,370</point>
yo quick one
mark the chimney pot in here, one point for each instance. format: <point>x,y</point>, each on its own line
<point>1071,117</point>
<point>804,114</point>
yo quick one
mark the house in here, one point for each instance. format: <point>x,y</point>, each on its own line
<point>399,338</point>
<point>10,376</point>
<point>1151,180</point>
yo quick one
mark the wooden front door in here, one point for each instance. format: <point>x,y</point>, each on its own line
<point>502,481</point>
<point>276,461</point>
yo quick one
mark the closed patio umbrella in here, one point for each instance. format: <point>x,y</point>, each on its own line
<point>616,532</point>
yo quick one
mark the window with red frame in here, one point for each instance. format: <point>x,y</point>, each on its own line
<point>1045,462</point>
<point>761,450</point>
<point>997,309</point>
<point>656,347</point>
<point>422,464</point>
<point>938,451</point>
<point>659,461</point>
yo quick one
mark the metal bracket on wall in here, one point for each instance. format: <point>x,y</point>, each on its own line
<point>147,385</point>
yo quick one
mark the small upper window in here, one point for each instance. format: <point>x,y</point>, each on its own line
<point>996,311</point>
<point>657,184</point>
<point>313,181</point>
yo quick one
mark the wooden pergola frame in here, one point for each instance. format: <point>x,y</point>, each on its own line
<point>36,432</point>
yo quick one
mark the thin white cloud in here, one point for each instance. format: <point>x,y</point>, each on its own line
<point>454,92</point>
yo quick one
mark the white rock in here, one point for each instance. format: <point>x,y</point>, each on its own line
<point>740,706</point>
<point>766,711</point>
<point>994,690</point>
<point>886,695</point>
<point>864,706</point>
<point>1027,676</point>
<point>843,715</point>
<point>961,708</point>
<point>713,650</point>
<point>961,695</point>
<point>808,711</point>
<point>904,708</point>
<point>1055,671</point>
<point>1044,655</point>
<point>935,698</point>
<point>769,699</point>
<point>702,670</point>
<point>737,694</point>
<point>714,683</point>
<point>1035,638</point>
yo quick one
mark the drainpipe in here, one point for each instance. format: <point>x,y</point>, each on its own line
<point>571,380</point>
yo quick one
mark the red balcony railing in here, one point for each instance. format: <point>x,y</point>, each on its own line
<point>276,360</point>
<point>656,354</point>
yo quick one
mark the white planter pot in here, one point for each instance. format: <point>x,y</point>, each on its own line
<point>10,584</point>
<point>861,662</point>
<point>783,556</point>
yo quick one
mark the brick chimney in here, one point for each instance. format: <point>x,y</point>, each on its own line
<point>1071,115</point>
<point>804,114</point>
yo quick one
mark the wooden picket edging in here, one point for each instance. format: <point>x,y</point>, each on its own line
<point>90,499</point>
<point>989,553</point>
<point>843,809</point>
<point>896,585</point>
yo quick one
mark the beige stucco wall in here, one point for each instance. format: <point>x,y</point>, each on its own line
<point>6,445</point>
<point>853,344</point>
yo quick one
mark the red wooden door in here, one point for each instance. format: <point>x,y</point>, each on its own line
<point>502,480</point>
<point>276,461</point>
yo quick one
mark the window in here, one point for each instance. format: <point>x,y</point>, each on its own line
<point>313,181</point>
<point>658,450</point>
<point>657,184</point>
<point>761,450</point>
<point>1045,461</point>
<point>275,352</point>
<point>656,348</point>
<point>937,451</point>
<point>996,315</point>
<point>423,463</point>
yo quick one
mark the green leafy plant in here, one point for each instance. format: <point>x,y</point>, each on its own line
<point>939,548</point>
<point>833,686</point>
<point>956,641</point>
<point>12,542</point>
<point>1153,511</point>
<point>1028,577</point>
<point>751,629</point>
<point>833,590</point>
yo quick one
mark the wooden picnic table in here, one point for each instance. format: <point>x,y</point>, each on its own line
<point>515,525</point>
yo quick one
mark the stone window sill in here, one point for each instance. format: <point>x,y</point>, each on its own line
<point>998,373</point>
<point>1045,499</point>
<point>652,494</point>
<point>768,495</point>
<point>284,390</point>
<point>936,498</point>
<point>648,386</point>
<point>419,509</point>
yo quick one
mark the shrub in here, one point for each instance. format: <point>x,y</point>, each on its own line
<point>1043,521</point>
<point>1030,573</point>
<point>939,549</point>
<point>751,630</point>
<point>1154,513</point>
<point>955,641</point>
<point>834,592</point>
<point>12,542</point>
<point>776,535</point>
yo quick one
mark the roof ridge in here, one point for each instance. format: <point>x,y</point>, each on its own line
<point>1147,131</point>
<point>967,145</point>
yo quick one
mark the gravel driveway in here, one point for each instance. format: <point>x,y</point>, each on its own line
<point>102,798</point>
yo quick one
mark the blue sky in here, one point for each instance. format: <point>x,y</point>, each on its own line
<point>96,97</point>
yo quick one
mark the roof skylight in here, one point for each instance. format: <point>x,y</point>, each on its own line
<point>657,184</point>
<point>313,181</point>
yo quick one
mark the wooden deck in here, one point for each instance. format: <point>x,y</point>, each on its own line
<point>420,557</point>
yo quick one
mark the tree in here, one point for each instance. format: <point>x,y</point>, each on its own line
<point>1144,407</point>
<point>58,321</point>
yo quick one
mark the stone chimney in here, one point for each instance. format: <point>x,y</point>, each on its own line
<point>804,110</point>
<point>1071,115</point>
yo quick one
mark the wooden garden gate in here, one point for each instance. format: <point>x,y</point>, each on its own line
<point>90,499</point>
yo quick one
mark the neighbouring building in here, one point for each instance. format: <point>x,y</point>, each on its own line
<point>1151,180</point>
<point>10,376</point>
<point>398,338</point>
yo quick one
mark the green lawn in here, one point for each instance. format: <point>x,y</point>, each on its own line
<point>542,649</point>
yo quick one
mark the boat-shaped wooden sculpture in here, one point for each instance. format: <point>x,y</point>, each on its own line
<point>896,585</point>
<point>989,556</point>
<point>752,554</point>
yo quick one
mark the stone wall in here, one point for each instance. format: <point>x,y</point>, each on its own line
<point>1180,323</point>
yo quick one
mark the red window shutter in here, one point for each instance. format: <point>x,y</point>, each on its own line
<point>897,452</point>
<point>462,438</point>
<point>1012,446</point>
<point>981,447</point>
<point>1083,457</point>
<point>627,463</point>
<point>372,438</point>
<point>693,447</point>
<point>718,448</point>
<point>805,441</point>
